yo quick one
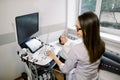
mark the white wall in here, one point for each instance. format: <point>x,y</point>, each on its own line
<point>51,12</point>
<point>10,64</point>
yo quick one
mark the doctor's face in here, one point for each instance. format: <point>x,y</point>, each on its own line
<point>78,29</point>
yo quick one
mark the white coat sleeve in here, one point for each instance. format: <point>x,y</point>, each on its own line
<point>70,62</point>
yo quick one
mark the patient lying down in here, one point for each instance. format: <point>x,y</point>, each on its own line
<point>66,45</point>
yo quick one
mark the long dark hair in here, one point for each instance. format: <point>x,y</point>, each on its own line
<point>90,25</point>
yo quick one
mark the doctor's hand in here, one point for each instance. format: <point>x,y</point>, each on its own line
<point>51,54</point>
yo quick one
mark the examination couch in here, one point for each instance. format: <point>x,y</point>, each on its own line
<point>110,62</point>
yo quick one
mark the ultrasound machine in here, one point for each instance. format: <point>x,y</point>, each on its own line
<point>33,50</point>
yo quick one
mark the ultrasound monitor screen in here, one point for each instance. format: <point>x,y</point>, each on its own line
<point>26,26</point>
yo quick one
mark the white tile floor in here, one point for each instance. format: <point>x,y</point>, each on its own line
<point>105,75</point>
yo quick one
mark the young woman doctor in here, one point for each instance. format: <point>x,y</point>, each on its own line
<point>85,57</point>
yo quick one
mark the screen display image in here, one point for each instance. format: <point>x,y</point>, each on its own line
<point>26,26</point>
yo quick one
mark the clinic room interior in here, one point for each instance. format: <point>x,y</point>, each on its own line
<point>28,28</point>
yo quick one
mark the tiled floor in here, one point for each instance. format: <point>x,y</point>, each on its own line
<point>58,75</point>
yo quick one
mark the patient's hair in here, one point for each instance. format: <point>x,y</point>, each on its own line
<point>60,41</point>
<point>90,25</point>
